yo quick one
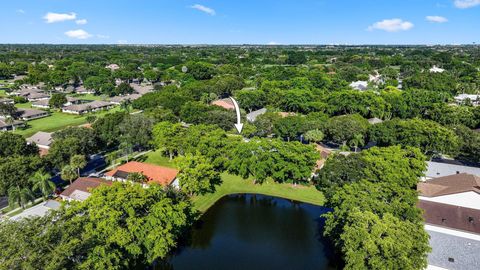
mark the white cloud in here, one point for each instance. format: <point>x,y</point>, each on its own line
<point>391,25</point>
<point>466,3</point>
<point>21,11</point>
<point>436,19</point>
<point>81,21</point>
<point>51,17</point>
<point>78,34</point>
<point>103,36</point>
<point>205,9</point>
<point>272,43</point>
<point>122,41</point>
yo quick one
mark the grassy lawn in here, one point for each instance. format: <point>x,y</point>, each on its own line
<point>2,93</point>
<point>57,121</point>
<point>157,158</point>
<point>27,105</point>
<point>234,185</point>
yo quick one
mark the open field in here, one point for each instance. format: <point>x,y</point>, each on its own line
<point>234,184</point>
<point>57,121</point>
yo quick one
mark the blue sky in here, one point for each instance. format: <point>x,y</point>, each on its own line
<point>241,21</point>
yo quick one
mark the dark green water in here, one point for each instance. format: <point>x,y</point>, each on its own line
<point>256,232</point>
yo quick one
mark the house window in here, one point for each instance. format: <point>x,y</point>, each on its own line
<point>458,172</point>
<point>451,260</point>
<point>470,219</point>
<point>443,220</point>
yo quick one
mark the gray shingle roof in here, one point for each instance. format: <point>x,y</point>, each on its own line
<point>4,124</point>
<point>28,113</point>
<point>251,117</point>
<point>465,252</point>
<point>97,104</point>
<point>41,138</point>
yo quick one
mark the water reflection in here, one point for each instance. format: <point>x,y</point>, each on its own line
<point>255,232</point>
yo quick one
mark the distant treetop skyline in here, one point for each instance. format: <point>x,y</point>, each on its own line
<point>240,22</point>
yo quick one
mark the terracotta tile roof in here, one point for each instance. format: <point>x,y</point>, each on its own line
<point>158,174</point>
<point>84,184</point>
<point>225,103</point>
<point>451,184</point>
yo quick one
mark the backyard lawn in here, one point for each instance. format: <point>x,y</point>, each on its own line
<point>157,158</point>
<point>233,185</point>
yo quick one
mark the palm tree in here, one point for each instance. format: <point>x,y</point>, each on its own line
<point>357,141</point>
<point>69,173</point>
<point>125,105</point>
<point>10,121</point>
<point>41,182</point>
<point>137,178</point>
<point>21,196</point>
<point>78,162</point>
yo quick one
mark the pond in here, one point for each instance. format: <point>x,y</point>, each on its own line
<point>256,232</point>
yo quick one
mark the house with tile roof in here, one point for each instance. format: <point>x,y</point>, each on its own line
<point>225,103</point>
<point>81,188</point>
<point>155,174</point>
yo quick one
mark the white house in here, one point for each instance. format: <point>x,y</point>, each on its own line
<point>436,69</point>
<point>462,98</point>
<point>359,85</point>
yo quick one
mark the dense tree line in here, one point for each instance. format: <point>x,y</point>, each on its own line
<point>119,227</point>
<point>375,222</point>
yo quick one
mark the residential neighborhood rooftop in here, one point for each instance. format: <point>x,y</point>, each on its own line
<point>252,117</point>
<point>158,174</point>
<point>86,107</point>
<point>225,103</point>
<point>41,139</point>
<point>452,184</point>
<point>440,169</point>
<point>77,190</point>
